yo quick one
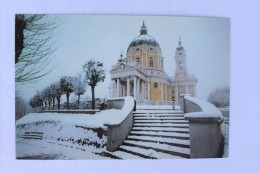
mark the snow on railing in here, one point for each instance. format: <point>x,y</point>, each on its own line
<point>118,131</point>
<point>208,110</point>
<point>206,140</point>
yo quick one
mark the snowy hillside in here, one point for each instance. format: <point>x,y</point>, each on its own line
<point>73,130</point>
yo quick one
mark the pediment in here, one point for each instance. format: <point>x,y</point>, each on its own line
<point>121,67</point>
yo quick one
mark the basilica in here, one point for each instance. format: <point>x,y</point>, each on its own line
<point>141,73</point>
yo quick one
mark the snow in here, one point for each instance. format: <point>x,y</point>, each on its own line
<point>154,107</point>
<point>208,109</point>
<point>168,129</point>
<point>46,149</point>
<point>162,134</point>
<point>150,153</point>
<point>89,120</point>
<point>123,113</point>
<point>160,146</point>
<point>161,139</point>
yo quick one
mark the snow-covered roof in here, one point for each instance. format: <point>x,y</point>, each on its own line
<point>143,39</point>
<point>208,109</point>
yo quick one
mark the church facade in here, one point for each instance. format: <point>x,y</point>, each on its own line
<point>141,73</point>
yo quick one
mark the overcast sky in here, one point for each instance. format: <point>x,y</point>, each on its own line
<point>103,37</point>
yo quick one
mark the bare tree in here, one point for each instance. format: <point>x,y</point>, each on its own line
<point>79,87</point>
<point>220,97</point>
<point>34,46</point>
<point>94,73</point>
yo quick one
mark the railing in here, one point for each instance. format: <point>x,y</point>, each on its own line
<point>118,131</point>
<point>206,140</point>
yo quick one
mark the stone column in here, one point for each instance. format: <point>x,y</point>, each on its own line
<point>194,90</point>
<point>166,96</point>
<point>161,92</point>
<point>128,86</point>
<point>143,91</point>
<point>138,89</point>
<point>123,86</point>
<point>135,87</point>
<point>176,92</point>
<point>148,90</point>
<point>112,88</point>
<point>117,87</point>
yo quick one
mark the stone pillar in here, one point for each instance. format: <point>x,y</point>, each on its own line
<point>176,93</point>
<point>135,87</point>
<point>161,92</point>
<point>138,89</point>
<point>166,96</point>
<point>123,90</point>
<point>117,87</point>
<point>128,86</point>
<point>143,91</point>
<point>148,90</point>
<point>112,88</point>
<point>194,90</point>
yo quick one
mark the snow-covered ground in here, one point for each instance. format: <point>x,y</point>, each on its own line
<point>65,136</point>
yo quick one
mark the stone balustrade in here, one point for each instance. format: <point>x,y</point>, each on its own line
<point>206,140</point>
<point>118,132</point>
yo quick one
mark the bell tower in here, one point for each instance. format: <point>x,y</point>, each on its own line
<point>180,61</point>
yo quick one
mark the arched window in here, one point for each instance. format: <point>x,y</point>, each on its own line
<point>137,60</point>
<point>151,62</point>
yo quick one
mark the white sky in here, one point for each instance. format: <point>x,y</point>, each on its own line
<point>103,37</point>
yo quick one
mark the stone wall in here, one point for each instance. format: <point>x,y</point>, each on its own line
<point>117,133</point>
<point>204,122</point>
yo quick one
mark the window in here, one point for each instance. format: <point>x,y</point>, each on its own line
<point>137,61</point>
<point>137,49</point>
<point>151,62</point>
<point>155,85</point>
<point>151,48</point>
<point>180,53</point>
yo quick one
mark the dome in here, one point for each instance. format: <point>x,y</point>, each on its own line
<point>143,38</point>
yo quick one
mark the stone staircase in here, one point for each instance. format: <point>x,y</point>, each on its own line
<point>156,134</point>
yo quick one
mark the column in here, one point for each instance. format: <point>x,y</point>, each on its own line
<point>112,88</point>
<point>117,88</point>
<point>123,90</point>
<point>166,96</point>
<point>161,92</point>
<point>128,86</point>
<point>138,89</point>
<point>176,92</point>
<point>135,87</point>
<point>148,90</point>
<point>194,90</point>
<point>143,90</point>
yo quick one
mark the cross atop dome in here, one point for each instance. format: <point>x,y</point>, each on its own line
<point>143,30</point>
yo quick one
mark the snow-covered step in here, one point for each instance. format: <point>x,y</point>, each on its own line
<point>158,118</point>
<point>169,141</point>
<point>158,111</point>
<point>161,125</point>
<point>124,155</point>
<point>149,153</point>
<point>160,121</point>
<point>177,151</point>
<point>158,115</point>
<point>162,129</point>
<point>161,134</point>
